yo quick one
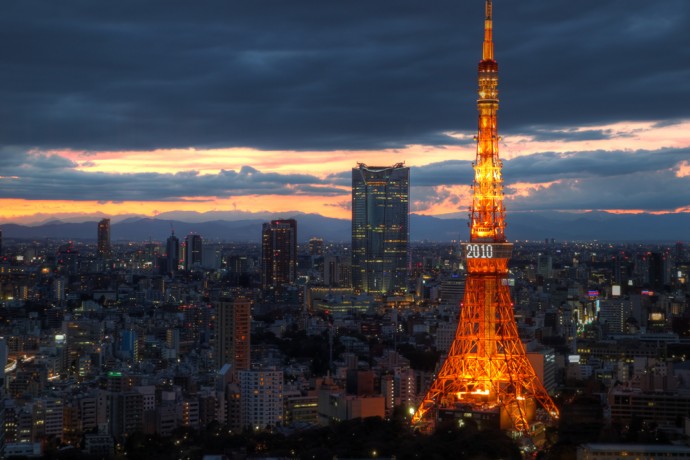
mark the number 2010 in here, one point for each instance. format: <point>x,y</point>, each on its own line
<point>480,251</point>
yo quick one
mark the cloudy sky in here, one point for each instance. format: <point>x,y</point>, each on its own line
<point>144,107</point>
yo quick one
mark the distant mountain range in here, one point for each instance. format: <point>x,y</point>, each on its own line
<point>247,228</point>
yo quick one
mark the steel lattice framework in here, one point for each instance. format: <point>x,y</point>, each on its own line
<point>487,367</point>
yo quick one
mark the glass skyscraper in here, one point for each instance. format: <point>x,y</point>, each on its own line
<point>380,228</point>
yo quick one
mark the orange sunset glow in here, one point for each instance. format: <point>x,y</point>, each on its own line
<point>442,199</point>
<point>17,210</point>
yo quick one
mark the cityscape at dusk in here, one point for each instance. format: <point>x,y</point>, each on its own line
<point>145,108</point>
<point>312,230</point>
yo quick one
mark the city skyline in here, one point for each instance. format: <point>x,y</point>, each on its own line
<point>243,107</point>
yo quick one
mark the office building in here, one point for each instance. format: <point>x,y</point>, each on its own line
<point>336,405</point>
<point>661,407</point>
<point>300,407</point>
<point>233,333</point>
<point>48,417</point>
<point>380,228</point>
<point>192,251</point>
<point>613,314</point>
<point>632,451</point>
<point>545,266</point>
<point>129,345</point>
<point>331,270</point>
<point>211,256</point>
<point>278,253</point>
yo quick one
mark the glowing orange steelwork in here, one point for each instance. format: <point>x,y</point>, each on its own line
<point>487,368</point>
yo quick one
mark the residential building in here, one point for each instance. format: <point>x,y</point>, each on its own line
<point>233,333</point>
<point>278,253</point>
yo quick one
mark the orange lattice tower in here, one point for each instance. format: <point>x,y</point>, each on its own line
<point>487,369</point>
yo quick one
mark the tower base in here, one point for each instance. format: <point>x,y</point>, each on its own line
<point>484,418</point>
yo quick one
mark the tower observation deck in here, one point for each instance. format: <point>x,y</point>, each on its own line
<point>487,370</point>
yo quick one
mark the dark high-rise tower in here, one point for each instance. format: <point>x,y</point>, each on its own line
<point>192,249</point>
<point>380,228</point>
<point>104,249</point>
<point>172,254</point>
<point>487,370</point>
<point>278,253</point>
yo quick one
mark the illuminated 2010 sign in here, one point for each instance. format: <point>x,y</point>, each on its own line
<point>479,251</point>
<point>487,250</point>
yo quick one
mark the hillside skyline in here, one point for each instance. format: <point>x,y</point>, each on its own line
<point>562,227</point>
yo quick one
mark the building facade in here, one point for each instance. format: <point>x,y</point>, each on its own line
<point>192,251</point>
<point>104,248</point>
<point>233,333</point>
<point>172,254</point>
<point>380,228</point>
<point>261,402</point>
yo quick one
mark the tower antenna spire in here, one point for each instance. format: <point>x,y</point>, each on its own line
<point>488,51</point>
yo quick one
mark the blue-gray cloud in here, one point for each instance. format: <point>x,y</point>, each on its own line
<point>650,191</point>
<point>451,172</point>
<point>573,134</point>
<point>50,177</point>
<point>550,166</point>
<point>646,180</point>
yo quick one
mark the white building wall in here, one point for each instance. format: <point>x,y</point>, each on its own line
<point>261,398</point>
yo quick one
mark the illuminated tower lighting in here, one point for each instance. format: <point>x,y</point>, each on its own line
<point>487,368</point>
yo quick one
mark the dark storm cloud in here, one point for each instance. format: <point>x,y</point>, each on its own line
<point>452,172</point>
<point>327,75</point>
<point>572,135</point>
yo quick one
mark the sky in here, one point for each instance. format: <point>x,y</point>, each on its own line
<point>149,107</point>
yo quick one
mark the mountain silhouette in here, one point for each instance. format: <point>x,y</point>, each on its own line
<point>520,226</point>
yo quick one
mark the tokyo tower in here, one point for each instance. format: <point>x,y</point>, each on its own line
<point>487,370</point>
